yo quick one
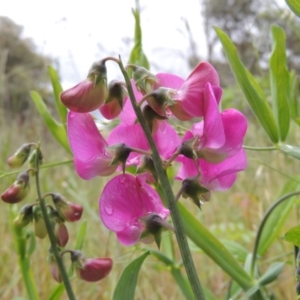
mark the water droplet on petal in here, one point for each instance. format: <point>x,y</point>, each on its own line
<point>108,209</point>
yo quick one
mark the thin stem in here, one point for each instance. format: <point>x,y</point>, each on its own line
<point>59,163</point>
<point>260,148</point>
<point>262,224</point>
<point>61,267</point>
<point>169,195</point>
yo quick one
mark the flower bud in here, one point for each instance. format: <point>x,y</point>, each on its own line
<point>115,100</point>
<point>54,267</point>
<point>32,160</point>
<point>40,229</point>
<point>159,99</point>
<point>67,211</point>
<point>18,190</point>
<point>143,79</point>
<point>19,158</point>
<point>89,94</point>
<point>92,269</point>
<point>152,118</point>
<point>24,217</point>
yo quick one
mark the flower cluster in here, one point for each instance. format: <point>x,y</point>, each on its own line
<point>210,152</point>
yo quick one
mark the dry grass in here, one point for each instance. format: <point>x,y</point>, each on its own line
<point>232,215</point>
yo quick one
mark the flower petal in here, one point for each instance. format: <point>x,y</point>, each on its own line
<point>88,147</point>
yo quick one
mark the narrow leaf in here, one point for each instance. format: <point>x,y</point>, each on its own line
<point>249,87</point>
<point>57,129</point>
<point>80,235</point>
<point>271,274</point>
<point>57,292</point>
<point>278,217</point>
<point>128,280</point>
<point>238,251</point>
<point>279,77</point>
<point>214,248</point>
<point>251,292</point>
<point>57,89</point>
<point>293,236</point>
<point>137,55</point>
<point>294,5</point>
<point>293,97</point>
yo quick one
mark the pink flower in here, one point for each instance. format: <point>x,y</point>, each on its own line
<point>91,157</point>
<point>94,269</point>
<point>90,269</point>
<point>218,145</point>
<point>191,93</point>
<point>124,201</point>
<point>89,94</point>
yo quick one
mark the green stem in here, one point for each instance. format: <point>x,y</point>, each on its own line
<point>60,264</point>
<point>261,227</point>
<point>260,148</point>
<point>169,195</point>
<point>55,164</point>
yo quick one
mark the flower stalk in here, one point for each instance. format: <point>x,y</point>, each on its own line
<point>169,195</point>
<point>62,269</point>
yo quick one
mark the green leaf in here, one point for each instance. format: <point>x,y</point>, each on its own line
<point>128,280</point>
<point>271,274</point>
<point>290,150</point>
<point>80,235</point>
<point>293,98</point>
<point>137,55</point>
<point>57,292</point>
<point>57,89</point>
<point>279,77</point>
<point>238,251</point>
<point>250,88</point>
<point>294,5</point>
<point>278,217</point>
<point>251,292</point>
<point>293,236</point>
<point>214,248</point>
<point>57,129</point>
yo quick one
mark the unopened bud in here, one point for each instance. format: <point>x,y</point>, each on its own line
<point>143,79</point>
<point>89,94</point>
<point>152,118</point>
<point>18,190</point>
<point>92,269</point>
<point>40,229</point>
<point>54,267</point>
<point>19,158</point>
<point>32,160</point>
<point>67,211</point>
<point>115,100</point>
<point>24,217</point>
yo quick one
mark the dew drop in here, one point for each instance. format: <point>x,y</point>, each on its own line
<point>108,209</point>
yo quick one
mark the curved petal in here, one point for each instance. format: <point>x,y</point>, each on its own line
<point>129,236</point>
<point>88,146</point>
<point>124,200</point>
<point>127,115</point>
<point>187,169</point>
<point>169,80</point>
<point>166,139</point>
<point>84,97</point>
<point>213,175</point>
<point>111,109</point>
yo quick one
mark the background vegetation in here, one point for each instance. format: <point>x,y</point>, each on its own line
<point>232,216</point>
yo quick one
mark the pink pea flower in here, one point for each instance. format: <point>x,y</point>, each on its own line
<point>89,94</point>
<point>89,148</point>
<point>192,92</point>
<point>124,202</point>
<point>218,145</point>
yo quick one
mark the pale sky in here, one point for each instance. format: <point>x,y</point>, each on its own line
<point>80,32</point>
